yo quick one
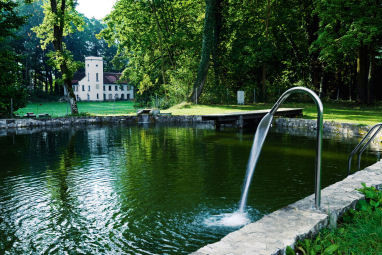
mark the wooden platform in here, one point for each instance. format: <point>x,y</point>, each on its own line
<point>252,117</point>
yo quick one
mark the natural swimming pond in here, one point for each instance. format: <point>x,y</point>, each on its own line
<point>147,190</point>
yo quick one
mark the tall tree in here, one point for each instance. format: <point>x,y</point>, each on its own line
<point>207,48</point>
<point>10,78</point>
<point>61,19</point>
<point>351,29</point>
<point>157,41</point>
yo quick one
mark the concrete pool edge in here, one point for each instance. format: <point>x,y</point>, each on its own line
<point>274,232</point>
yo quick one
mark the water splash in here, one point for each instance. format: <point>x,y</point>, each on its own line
<point>236,219</point>
<point>258,141</point>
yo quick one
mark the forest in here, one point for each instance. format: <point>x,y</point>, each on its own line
<point>188,50</point>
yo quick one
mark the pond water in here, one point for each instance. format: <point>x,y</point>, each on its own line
<point>147,190</point>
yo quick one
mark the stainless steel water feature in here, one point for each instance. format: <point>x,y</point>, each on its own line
<point>360,151</point>
<point>262,131</point>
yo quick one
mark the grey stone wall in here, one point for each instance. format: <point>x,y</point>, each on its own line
<point>308,127</point>
<point>73,121</point>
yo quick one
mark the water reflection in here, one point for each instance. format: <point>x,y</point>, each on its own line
<point>121,189</point>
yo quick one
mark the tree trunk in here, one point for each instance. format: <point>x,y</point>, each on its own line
<point>264,68</point>
<point>362,74</point>
<point>207,44</point>
<point>58,31</point>
<point>371,79</point>
<point>50,79</point>
<point>216,49</point>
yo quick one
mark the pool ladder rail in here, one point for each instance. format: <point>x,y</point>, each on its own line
<point>319,130</point>
<point>361,147</point>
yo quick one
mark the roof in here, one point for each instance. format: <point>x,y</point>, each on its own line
<point>112,78</point>
<point>77,77</point>
<point>108,78</point>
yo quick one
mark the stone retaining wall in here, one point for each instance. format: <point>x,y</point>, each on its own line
<point>73,121</point>
<point>274,232</point>
<point>329,126</point>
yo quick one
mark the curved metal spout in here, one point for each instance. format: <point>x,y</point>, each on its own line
<point>320,111</point>
<point>261,133</point>
<point>360,151</point>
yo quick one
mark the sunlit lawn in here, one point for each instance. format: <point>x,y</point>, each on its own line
<point>333,111</point>
<point>56,109</point>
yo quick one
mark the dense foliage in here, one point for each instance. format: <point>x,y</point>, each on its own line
<point>328,45</point>
<point>207,50</point>
<point>10,78</point>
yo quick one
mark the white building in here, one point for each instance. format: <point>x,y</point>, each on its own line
<point>96,85</point>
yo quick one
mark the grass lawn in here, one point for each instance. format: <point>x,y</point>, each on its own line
<point>56,109</point>
<point>333,111</point>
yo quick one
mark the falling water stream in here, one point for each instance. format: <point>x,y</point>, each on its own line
<point>240,217</point>
<point>258,141</point>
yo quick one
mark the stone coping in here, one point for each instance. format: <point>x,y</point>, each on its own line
<point>274,232</point>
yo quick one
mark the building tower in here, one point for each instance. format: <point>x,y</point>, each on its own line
<point>94,78</point>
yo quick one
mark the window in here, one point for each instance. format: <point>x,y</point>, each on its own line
<point>128,96</point>
<point>110,96</point>
<point>78,98</point>
<point>97,77</point>
<point>116,88</point>
<point>89,88</point>
<point>123,87</point>
<point>116,96</point>
<point>96,65</point>
<point>97,96</point>
<point>109,88</point>
<point>104,96</point>
<point>123,96</point>
<point>97,86</point>
<point>88,97</point>
<point>83,87</point>
<point>104,88</point>
<point>88,77</point>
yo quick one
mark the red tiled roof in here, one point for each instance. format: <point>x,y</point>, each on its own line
<point>111,78</point>
<point>77,77</point>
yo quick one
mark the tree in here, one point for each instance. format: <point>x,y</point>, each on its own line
<point>157,41</point>
<point>351,30</point>
<point>61,19</point>
<point>10,85</point>
<point>207,48</point>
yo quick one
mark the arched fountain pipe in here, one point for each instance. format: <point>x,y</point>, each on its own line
<point>320,112</point>
<point>360,151</point>
<point>262,131</point>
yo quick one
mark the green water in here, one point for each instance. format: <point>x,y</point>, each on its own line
<point>146,190</point>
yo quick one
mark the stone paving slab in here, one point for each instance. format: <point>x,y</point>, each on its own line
<point>274,232</point>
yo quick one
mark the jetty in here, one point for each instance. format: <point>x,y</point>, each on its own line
<point>242,119</point>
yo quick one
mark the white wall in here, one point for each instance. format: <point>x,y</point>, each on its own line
<point>119,90</point>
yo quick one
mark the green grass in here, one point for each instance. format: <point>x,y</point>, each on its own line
<point>56,109</point>
<point>340,112</point>
<point>333,111</point>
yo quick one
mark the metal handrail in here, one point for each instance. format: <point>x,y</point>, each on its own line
<point>320,111</point>
<point>360,151</point>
